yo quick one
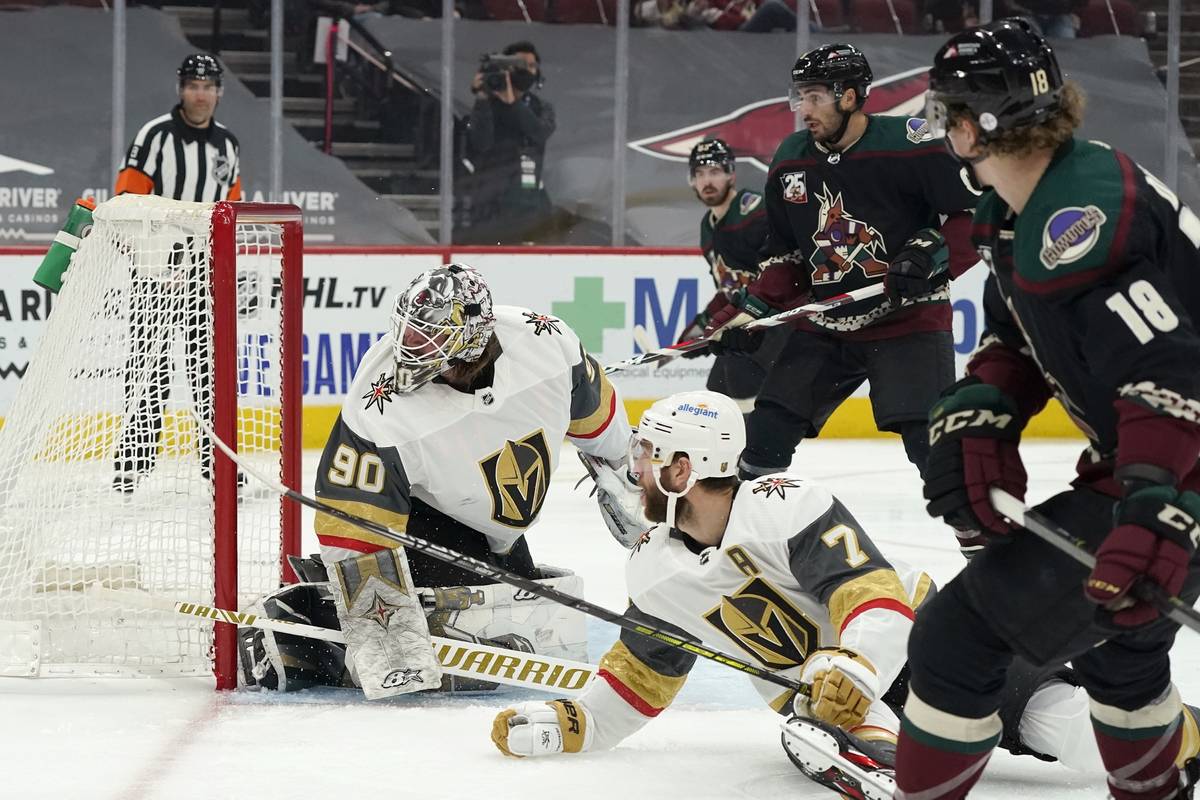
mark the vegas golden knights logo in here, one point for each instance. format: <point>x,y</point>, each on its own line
<point>764,624</point>
<point>517,475</point>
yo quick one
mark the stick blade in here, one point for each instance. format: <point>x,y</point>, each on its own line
<point>1008,506</point>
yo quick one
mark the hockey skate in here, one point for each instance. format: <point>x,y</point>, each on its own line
<point>838,760</point>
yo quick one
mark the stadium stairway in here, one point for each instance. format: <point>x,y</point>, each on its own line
<point>359,137</point>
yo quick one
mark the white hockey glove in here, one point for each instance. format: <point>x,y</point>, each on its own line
<point>619,498</point>
<point>542,729</point>
<point>844,685</point>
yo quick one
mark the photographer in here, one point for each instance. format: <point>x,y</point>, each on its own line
<point>506,145</point>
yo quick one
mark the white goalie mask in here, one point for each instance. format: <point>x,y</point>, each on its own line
<point>707,426</point>
<point>444,315</point>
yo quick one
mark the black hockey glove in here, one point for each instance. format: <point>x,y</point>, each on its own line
<point>974,430</point>
<point>922,266</point>
<point>737,342</point>
<point>694,331</point>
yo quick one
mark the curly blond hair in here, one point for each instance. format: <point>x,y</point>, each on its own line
<point>1026,139</point>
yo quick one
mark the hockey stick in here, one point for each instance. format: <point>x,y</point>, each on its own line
<point>500,575</point>
<point>641,337</point>
<point>676,350</point>
<point>461,658</point>
<point>1054,535</point>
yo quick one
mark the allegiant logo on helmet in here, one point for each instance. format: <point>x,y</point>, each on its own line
<point>697,411</point>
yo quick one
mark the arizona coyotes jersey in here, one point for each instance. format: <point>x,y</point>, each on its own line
<point>483,458</point>
<point>793,573</point>
<point>837,219</point>
<point>1094,296</point>
<point>732,245</point>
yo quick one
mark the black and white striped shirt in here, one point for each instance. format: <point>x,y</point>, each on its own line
<point>172,159</point>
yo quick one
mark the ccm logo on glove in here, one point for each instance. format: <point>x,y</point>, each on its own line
<point>1181,521</point>
<point>970,418</point>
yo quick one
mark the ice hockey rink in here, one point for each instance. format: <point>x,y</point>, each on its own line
<point>165,739</point>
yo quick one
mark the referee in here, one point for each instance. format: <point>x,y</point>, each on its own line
<point>184,155</point>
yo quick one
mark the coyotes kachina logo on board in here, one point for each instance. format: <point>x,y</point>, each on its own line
<point>754,131</point>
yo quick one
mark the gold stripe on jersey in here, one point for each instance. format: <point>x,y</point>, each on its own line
<point>654,689</point>
<point>594,416</point>
<point>782,704</point>
<point>921,592</point>
<point>331,527</point>
<point>879,584</point>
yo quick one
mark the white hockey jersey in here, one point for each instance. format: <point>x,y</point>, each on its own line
<point>793,573</point>
<point>484,459</point>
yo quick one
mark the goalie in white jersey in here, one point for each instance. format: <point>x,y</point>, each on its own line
<point>779,571</point>
<point>450,432</point>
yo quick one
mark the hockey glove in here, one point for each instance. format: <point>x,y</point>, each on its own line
<point>694,331</point>
<point>922,266</point>
<point>974,430</point>
<point>743,308</point>
<point>619,498</point>
<point>1154,537</point>
<point>844,685</point>
<point>542,729</point>
<point>736,342</point>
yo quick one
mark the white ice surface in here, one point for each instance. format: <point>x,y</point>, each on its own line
<point>160,740</point>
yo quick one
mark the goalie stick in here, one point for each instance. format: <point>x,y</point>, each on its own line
<point>462,658</point>
<point>500,575</point>
<point>674,351</point>
<point>1057,537</point>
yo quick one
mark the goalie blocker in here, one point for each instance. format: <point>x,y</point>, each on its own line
<point>494,614</point>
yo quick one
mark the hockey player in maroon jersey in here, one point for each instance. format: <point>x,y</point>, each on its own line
<point>1092,298</point>
<point>732,235</point>
<point>854,199</point>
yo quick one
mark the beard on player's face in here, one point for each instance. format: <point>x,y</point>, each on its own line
<point>712,185</point>
<point>654,503</point>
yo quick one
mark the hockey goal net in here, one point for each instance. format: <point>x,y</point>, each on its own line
<point>105,478</point>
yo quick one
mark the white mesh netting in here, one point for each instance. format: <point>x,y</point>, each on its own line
<point>103,474</point>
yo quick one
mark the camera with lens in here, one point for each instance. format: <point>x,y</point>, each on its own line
<point>493,67</point>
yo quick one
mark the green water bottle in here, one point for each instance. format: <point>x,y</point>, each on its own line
<point>66,241</point>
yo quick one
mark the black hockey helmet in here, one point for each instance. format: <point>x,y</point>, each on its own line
<point>713,152</point>
<point>201,67</point>
<point>1004,73</point>
<point>838,66</point>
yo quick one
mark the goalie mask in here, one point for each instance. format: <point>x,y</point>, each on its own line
<point>444,316</point>
<point>706,426</point>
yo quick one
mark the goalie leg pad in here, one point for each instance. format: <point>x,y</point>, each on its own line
<point>380,613</point>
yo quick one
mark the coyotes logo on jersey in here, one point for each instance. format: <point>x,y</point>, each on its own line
<point>843,243</point>
<point>728,280</point>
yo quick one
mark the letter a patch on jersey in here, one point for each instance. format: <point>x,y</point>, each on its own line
<point>517,476</point>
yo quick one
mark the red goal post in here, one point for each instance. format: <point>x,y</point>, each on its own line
<point>168,310</point>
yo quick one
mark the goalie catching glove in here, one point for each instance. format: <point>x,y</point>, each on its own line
<point>844,686</point>
<point>619,498</point>
<point>542,729</point>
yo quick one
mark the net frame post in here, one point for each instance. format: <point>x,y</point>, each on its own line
<point>223,278</point>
